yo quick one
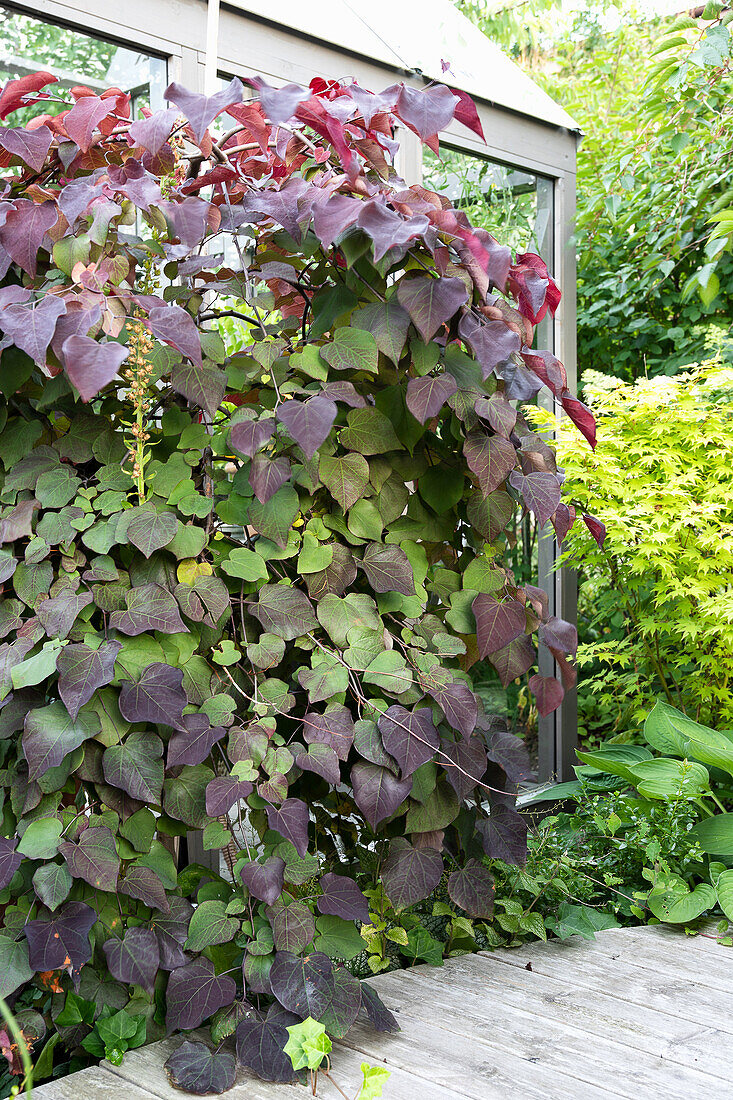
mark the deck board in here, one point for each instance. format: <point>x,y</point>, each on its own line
<point>637,1012</point>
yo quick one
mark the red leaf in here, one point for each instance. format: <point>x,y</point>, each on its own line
<point>596,528</point>
<point>90,365</point>
<point>84,118</point>
<point>467,114</point>
<point>548,692</point>
<point>12,95</point>
<point>30,145</point>
<point>581,417</point>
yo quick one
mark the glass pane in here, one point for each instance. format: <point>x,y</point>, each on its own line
<point>28,44</point>
<point>517,207</point>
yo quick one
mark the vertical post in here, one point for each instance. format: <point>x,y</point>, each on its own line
<point>211,65</point>
<point>558,732</point>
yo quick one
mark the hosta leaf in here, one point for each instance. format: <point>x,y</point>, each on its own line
<point>409,874</point>
<point>671,899</point>
<point>194,993</point>
<point>714,834</point>
<point>196,1069</point>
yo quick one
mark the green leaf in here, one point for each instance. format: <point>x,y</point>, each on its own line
<point>714,834</point>
<point>246,565</point>
<point>52,883</point>
<point>14,967</point>
<point>375,1078</point>
<point>722,880</point>
<point>346,477</point>
<point>338,938</point>
<point>579,920</point>
<point>668,779</point>
<point>41,839</point>
<point>209,925</point>
<point>352,349</point>
<point>672,901</point>
<point>308,1044</point>
<point>369,432</point>
<point>390,672</point>
<point>616,759</point>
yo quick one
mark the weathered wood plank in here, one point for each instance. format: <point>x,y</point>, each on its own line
<point>94,1083</point>
<point>605,1014</point>
<point>553,1043</point>
<point>451,1058</point>
<point>671,953</point>
<point>680,997</point>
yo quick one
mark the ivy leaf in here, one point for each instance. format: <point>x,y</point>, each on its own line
<point>409,874</point>
<point>284,611</point>
<point>308,422</point>
<point>264,880</point>
<point>472,889</point>
<point>91,365</point>
<point>346,477</point>
<point>388,569</point>
<point>352,349</point>
<point>149,607</point>
<point>82,670</point>
<point>427,396</point>
<point>408,736</point>
<point>196,1069</point>
<point>341,897</point>
<point>149,530</point>
<point>135,958</point>
<point>135,766</point>
<point>291,822</point>
<point>94,858</point>
<point>157,697</point>
<point>50,734</point>
<point>63,941</point>
<point>261,1047</point>
<point>210,924</point>
<point>377,792</point>
<point>195,992</point>
<point>430,302</point>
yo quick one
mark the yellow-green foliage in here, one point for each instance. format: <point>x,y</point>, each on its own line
<point>658,598</point>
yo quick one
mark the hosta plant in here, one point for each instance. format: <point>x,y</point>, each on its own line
<point>260,442</point>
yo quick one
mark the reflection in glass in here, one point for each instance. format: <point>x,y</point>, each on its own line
<point>28,44</point>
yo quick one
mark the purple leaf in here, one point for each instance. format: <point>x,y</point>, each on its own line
<point>427,111</point>
<point>134,959</point>
<point>491,341</point>
<point>63,941</point>
<point>10,861</point>
<point>31,327</point>
<point>467,764</point>
<point>84,117</point>
<point>454,697</point>
<point>341,897</point>
<point>264,880</point>
<point>388,229</point>
<point>194,743</point>
<point>498,413</point>
<point>334,728</point>
<point>332,217</point>
<point>171,928</point>
<point>467,114</point>
<point>558,634</point>
<point>200,110</point>
<point>427,396</point>
<point>344,392</point>
<point>149,607</point>
<point>248,436</point>
<point>472,889</point>
<point>90,365</point>
<point>596,528</point>
<point>430,302</point>
<point>388,324</point>
<point>548,692</point>
<point>504,835</point>
<point>58,614</point>
<point>408,736</point>
<point>308,422</point>
<point>224,792</point>
<point>291,822</point>
<point>157,697</point>
<point>261,1047</point>
<point>322,760</point>
<point>514,659</point>
<point>82,670</point>
<point>540,492</point>
<point>135,766</point>
<point>312,987</point>
<point>174,326</point>
<point>282,206</point>
<point>497,623</point>
<point>152,133</point>
<point>94,859</point>
<point>30,146</point>
<point>196,1069</point>
<point>279,104</point>
<point>143,883</point>
<point>284,611</point>
<point>388,569</point>
<point>195,992</point>
<point>149,530</point>
<point>293,926</point>
<point>267,475</point>
<point>50,734</point>
<point>379,1017</point>
<point>25,227</point>
<point>377,792</point>
<point>490,457</point>
<point>409,874</point>
<point>510,753</point>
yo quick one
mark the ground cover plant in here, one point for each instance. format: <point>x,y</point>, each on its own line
<point>245,578</point>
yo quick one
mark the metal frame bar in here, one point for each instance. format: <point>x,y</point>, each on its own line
<point>177,30</point>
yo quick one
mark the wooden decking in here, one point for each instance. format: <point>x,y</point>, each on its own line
<point>638,1013</point>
